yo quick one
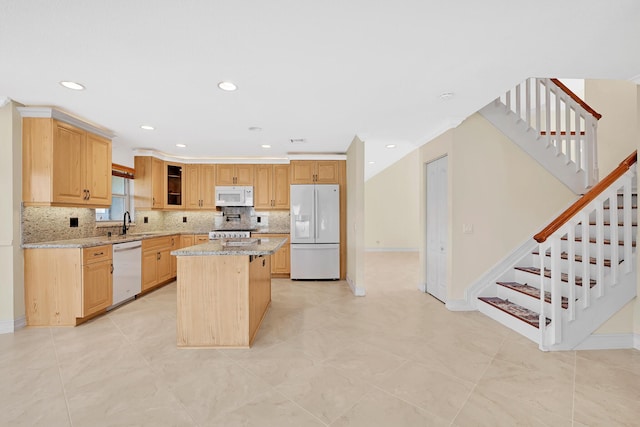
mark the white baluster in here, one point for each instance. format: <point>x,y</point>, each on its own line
<point>547,100</point>
<point>599,251</point>
<point>571,258</point>
<point>538,104</point>
<point>556,291</point>
<point>586,255</point>
<point>508,103</point>
<point>518,102</point>
<point>613,225</point>
<point>627,203</point>
<point>559,141</point>
<point>528,100</point>
<point>542,319</point>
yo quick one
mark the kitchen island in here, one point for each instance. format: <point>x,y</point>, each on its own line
<point>224,290</point>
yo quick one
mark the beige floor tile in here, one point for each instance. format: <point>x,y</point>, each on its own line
<point>427,387</point>
<point>378,408</point>
<point>366,362</point>
<point>323,391</point>
<point>526,354</point>
<point>594,407</point>
<point>490,409</point>
<point>628,359</point>
<point>608,378</point>
<point>537,388</point>
<point>27,348</point>
<point>268,410</point>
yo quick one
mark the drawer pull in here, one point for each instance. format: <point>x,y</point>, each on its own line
<point>98,253</point>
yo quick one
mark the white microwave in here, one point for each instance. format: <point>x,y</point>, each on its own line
<point>227,195</point>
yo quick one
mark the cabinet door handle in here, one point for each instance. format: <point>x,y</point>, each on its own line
<point>158,256</point>
<point>88,194</point>
<point>153,200</point>
<point>111,268</point>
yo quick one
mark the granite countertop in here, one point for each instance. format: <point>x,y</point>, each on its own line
<point>88,242</point>
<point>272,230</point>
<point>265,246</point>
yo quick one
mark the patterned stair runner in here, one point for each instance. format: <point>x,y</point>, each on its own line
<point>547,273</point>
<point>532,292</point>
<point>524,314</point>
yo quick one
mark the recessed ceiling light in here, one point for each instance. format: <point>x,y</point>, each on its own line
<point>255,128</point>
<point>181,145</point>
<point>390,145</point>
<point>372,162</point>
<point>446,95</point>
<point>227,86</point>
<point>265,146</point>
<point>147,127</point>
<point>72,85</point>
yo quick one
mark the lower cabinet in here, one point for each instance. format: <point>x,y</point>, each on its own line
<point>281,260</point>
<point>158,265</point>
<point>65,286</point>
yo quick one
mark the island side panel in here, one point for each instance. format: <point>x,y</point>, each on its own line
<point>212,301</point>
<point>259,292</point>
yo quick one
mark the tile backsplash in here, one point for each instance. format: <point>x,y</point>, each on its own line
<point>41,224</point>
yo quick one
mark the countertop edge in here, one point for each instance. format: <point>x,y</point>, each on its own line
<point>214,248</point>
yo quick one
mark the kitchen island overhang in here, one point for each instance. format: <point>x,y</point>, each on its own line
<point>223,292</point>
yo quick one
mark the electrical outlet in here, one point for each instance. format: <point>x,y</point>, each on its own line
<point>73,222</point>
<point>184,219</point>
<point>467,228</point>
<point>259,219</point>
<point>146,220</point>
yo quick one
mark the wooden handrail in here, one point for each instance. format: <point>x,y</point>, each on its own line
<point>576,98</point>
<point>588,197</point>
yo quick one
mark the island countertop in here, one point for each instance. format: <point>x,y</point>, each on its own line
<point>262,246</point>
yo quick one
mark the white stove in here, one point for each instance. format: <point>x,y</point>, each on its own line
<point>235,234</point>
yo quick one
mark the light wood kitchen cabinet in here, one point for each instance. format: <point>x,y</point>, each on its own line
<point>97,280</point>
<point>271,190</point>
<point>186,240</point>
<point>66,286</point>
<point>157,265</point>
<point>64,165</point>
<point>175,245</point>
<point>201,238</point>
<point>149,183</point>
<point>281,260</point>
<point>200,186</point>
<point>173,185</point>
<point>234,174</point>
<point>315,171</point>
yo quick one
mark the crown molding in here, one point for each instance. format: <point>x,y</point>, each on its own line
<point>203,160</point>
<point>54,113</point>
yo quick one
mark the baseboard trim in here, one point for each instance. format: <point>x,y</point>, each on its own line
<point>608,342</point>
<point>357,291</point>
<point>391,249</point>
<point>636,341</point>
<point>422,287</point>
<point>10,326</point>
<point>459,305</point>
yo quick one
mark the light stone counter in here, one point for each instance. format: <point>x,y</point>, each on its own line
<point>88,242</point>
<point>265,246</point>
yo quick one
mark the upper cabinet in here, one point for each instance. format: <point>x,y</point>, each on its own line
<point>63,164</point>
<point>315,171</point>
<point>271,187</point>
<point>230,174</point>
<point>200,186</point>
<point>174,185</point>
<point>149,183</point>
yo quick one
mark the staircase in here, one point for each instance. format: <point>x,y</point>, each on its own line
<point>554,126</point>
<point>582,272</point>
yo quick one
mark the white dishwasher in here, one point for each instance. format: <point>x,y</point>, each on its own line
<point>127,271</point>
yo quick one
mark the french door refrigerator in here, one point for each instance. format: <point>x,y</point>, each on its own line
<point>315,231</point>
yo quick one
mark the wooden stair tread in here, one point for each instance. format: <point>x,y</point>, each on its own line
<point>547,273</point>
<point>531,291</point>
<point>578,258</point>
<point>515,310</point>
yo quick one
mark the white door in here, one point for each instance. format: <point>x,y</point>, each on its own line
<point>437,228</point>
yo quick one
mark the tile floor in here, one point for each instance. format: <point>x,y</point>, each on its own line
<point>396,357</point>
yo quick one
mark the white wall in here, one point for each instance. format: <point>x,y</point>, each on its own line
<point>12,310</point>
<point>497,189</point>
<point>355,217</point>
<point>391,206</point>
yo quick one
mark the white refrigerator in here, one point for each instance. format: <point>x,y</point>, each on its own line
<point>315,231</point>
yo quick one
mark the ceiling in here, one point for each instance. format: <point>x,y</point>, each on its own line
<point>323,71</point>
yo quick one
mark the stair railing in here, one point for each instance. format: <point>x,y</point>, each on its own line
<point>572,226</point>
<point>562,121</point>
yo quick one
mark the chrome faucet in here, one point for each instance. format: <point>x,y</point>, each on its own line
<point>125,226</point>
